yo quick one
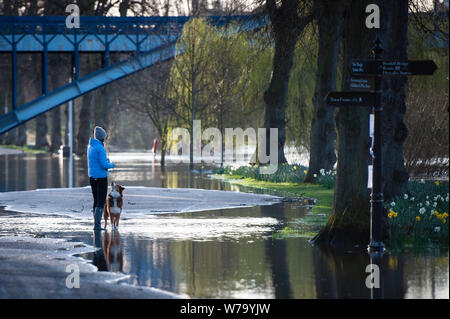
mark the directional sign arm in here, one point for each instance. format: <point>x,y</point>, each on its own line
<point>339,99</point>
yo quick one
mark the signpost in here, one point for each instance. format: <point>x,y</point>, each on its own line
<point>366,86</point>
<point>392,67</point>
<point>350,99</point>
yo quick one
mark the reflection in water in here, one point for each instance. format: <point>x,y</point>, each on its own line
<point>108,256</point>
<point>223,253</point>
<point>112,248</point>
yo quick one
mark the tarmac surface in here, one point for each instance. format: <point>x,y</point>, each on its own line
<point>46,268</point>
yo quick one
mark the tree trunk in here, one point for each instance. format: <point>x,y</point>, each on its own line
<point>394,28</point>
<point>286,26</point>
<point>348,224</point>
<point>323,135</point>
<point>276,95</point>
<point>58,79</point>
<point>41,120</point>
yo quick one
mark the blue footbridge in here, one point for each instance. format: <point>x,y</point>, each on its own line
<point>149,40</point>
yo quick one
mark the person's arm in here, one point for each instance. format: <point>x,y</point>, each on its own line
<point>104,161</point>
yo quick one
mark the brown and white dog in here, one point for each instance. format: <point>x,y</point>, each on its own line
<point>113,207</point>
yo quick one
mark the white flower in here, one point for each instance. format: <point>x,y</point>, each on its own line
<point>437,229</point>
<point>428,197</point>
<point>405,196</point>
<point>434,204</point>
<point>420,204</point>
<point>322,171</point>
<point>427,203</point>
<point>422,181</point>
<point>393,204</point>
<point>412,198</point>
<point>422,211</point>
<point>315,175</point>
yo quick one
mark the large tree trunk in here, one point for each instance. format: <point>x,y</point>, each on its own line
<point>348,224</point>
<point>394,28</point>
<point>323,135</point>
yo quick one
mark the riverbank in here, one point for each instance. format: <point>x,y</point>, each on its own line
<point>417,219</point>
<point>48,268</point>
<point>15,150</point>
<point>321,196</point>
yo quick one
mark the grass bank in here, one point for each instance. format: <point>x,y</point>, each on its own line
<point>312,222</point>
<point>417,219</point>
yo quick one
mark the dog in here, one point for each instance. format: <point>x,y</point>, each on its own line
<point>113,207</point>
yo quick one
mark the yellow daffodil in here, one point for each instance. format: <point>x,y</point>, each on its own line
<point>392,214</point>
<point>305,171</point>
<point>295,167</point>
<point>418,218</point>
<point>437,183</point>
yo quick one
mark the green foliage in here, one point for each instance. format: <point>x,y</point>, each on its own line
<point>286,173</point>
<point>420,218</point>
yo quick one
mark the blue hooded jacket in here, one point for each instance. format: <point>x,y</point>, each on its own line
<point>98,163</point>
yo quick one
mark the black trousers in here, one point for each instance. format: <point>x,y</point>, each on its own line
<point>99,187</point>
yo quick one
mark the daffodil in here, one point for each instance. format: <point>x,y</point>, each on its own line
<point>437,183</point>
<point>305,171</point>
<point>295,167</point>
<point>418,218</point>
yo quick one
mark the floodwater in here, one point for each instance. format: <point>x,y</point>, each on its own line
<point>229,253</point>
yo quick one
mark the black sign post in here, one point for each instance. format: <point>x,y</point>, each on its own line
<point>376,196</point>
<point>362,70</point>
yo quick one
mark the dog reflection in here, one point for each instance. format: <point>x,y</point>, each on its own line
<point>112,249</point>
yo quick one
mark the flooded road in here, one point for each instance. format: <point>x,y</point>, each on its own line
<point>228,253</point>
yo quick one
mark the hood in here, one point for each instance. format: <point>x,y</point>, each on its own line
<point>93,141</point>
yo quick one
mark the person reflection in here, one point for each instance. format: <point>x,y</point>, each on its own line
<point>113,251</point>
<point>99,256</point>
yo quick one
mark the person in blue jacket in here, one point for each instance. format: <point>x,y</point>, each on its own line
<point>98,165</point>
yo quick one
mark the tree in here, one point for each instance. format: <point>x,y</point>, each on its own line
<point>394,36</point>
<point>329,15</point>
<point>348,223</point>
<point>288,19</point>
<point>189,74</point>
<point>228,76</point>
<point>148,95</point>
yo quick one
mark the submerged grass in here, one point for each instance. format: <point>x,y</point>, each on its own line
<point>27,148</point>
<point>312,222</point>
